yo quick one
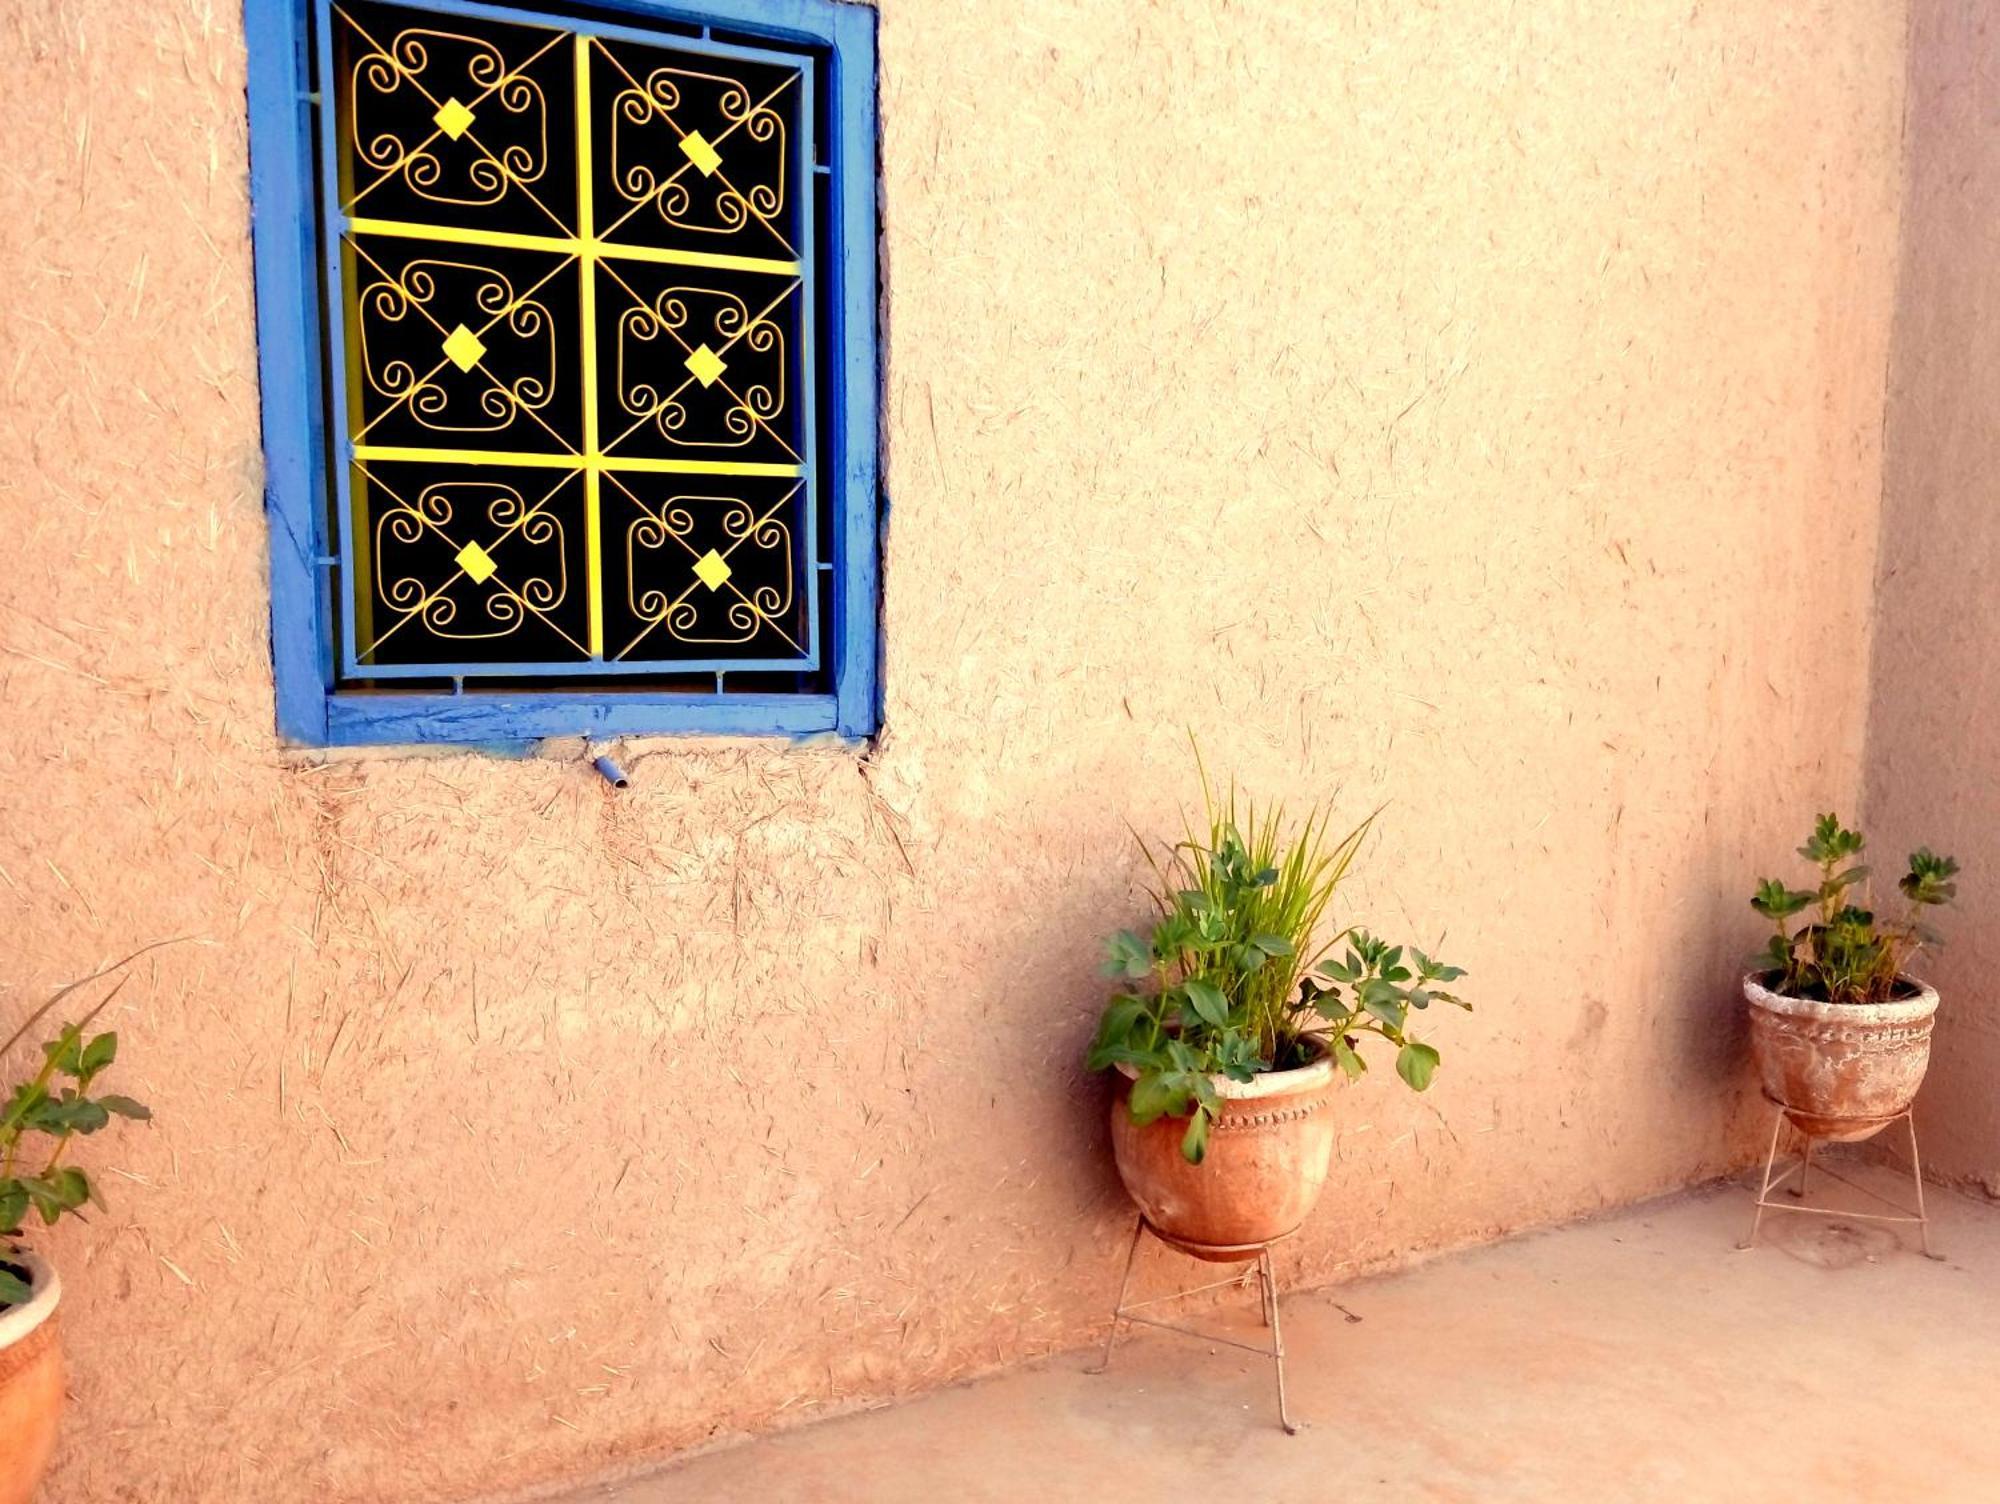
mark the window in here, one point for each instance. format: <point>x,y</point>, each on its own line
<point>568,349</point>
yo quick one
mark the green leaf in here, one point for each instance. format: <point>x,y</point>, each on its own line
<point>13,1205</point>
<point>1121,1014</point>
<point>1349,1062</point>
<point>81,1115</point>
<point>1155,1096</point>
<point>1272,945</point>
<point>47,1197</point>
<point>1389,1011</point>
<point>1416,1064</point>
<point>1237,1055</point>
<point>1329,1007</point>
<point>1777,954</point>
<point>65,1051</point>
<point>72,1185</point>
<point>1127,954</point>
<point>57,1192</point>
<point>26,1098</point>
<point>13,1290</point>
<point>1207,1001</point>
<point>1831,841</point>
<point>1776,901</point>
<point>1139,1057</point>
<point>99,1053</point>
<point>1929,879</point>
<point>1205,1093</point>
<point>1194,1143</point>
<point>1384,1000</point>
<point>35,1111</point>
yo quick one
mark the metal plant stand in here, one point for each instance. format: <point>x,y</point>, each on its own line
<point>1803,1169</point>
<point>1257,1255</point>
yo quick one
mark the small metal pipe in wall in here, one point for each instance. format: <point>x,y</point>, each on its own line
<point>613,774</point>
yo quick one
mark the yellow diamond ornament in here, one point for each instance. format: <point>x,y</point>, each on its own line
<point>453,118</point>
<point>711,569</point>
<point>697,150</point>
<point>706,365</point>
<point>463,348</point>
<point>477,563</point>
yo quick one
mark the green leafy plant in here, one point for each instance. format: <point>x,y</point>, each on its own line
<point>1846,954</point>
<point>42,1116</point>
<point>1228,982</point>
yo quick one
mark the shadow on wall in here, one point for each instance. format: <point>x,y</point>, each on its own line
<point>1934,716</point>
<point>1690,1060</point>
<point>1717,935</point>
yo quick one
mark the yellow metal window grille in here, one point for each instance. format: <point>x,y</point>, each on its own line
<point>575,289</point>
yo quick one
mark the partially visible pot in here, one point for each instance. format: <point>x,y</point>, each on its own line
<point>31,1381</point>
<point>1841,1071</point>
<point>1266,1165</point>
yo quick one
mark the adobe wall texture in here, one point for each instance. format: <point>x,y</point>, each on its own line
<point>1934,721</point>
<point>1470,407</point>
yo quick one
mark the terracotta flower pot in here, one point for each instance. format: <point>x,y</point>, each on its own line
<point>31,1383</point>
<point>1841,1071</point>
<point>1267,1161</point>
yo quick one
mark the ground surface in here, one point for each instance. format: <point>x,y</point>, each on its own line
<point>1639,1357</point>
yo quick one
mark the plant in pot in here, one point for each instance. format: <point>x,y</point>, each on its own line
<point>42,1117</point>
<point>1239,1019</point>
<point>1840,1030</point>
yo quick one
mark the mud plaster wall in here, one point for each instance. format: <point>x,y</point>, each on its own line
<point>1472,407</point>
<point>1933,756</point>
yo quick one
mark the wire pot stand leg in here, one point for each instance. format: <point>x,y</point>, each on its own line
<point>1260,1267</point>
<point>1796,1193</point>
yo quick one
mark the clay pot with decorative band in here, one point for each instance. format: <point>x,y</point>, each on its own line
<point>1841,1071</point>
<point>31,1381</point>
<point>1267,1159</point>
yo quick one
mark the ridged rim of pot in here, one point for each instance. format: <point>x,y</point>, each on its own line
<point>1265,1083</point>
<point>17,1322</point>
<point>1902,1010</point>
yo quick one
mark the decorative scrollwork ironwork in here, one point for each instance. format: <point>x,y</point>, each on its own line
<point>657,387</point>
<point>710,596</point>
<point>411,538</point>
<point>478,314</point>
<point>702,153</point>
<point>571,254</point>
<point>423,106</point>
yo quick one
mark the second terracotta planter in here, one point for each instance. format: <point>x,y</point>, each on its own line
<point>31,1383</point>
<point>1841,1071</point>
<point>1267,1160</point>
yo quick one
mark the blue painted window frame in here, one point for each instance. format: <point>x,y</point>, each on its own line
<point>285,221</point>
